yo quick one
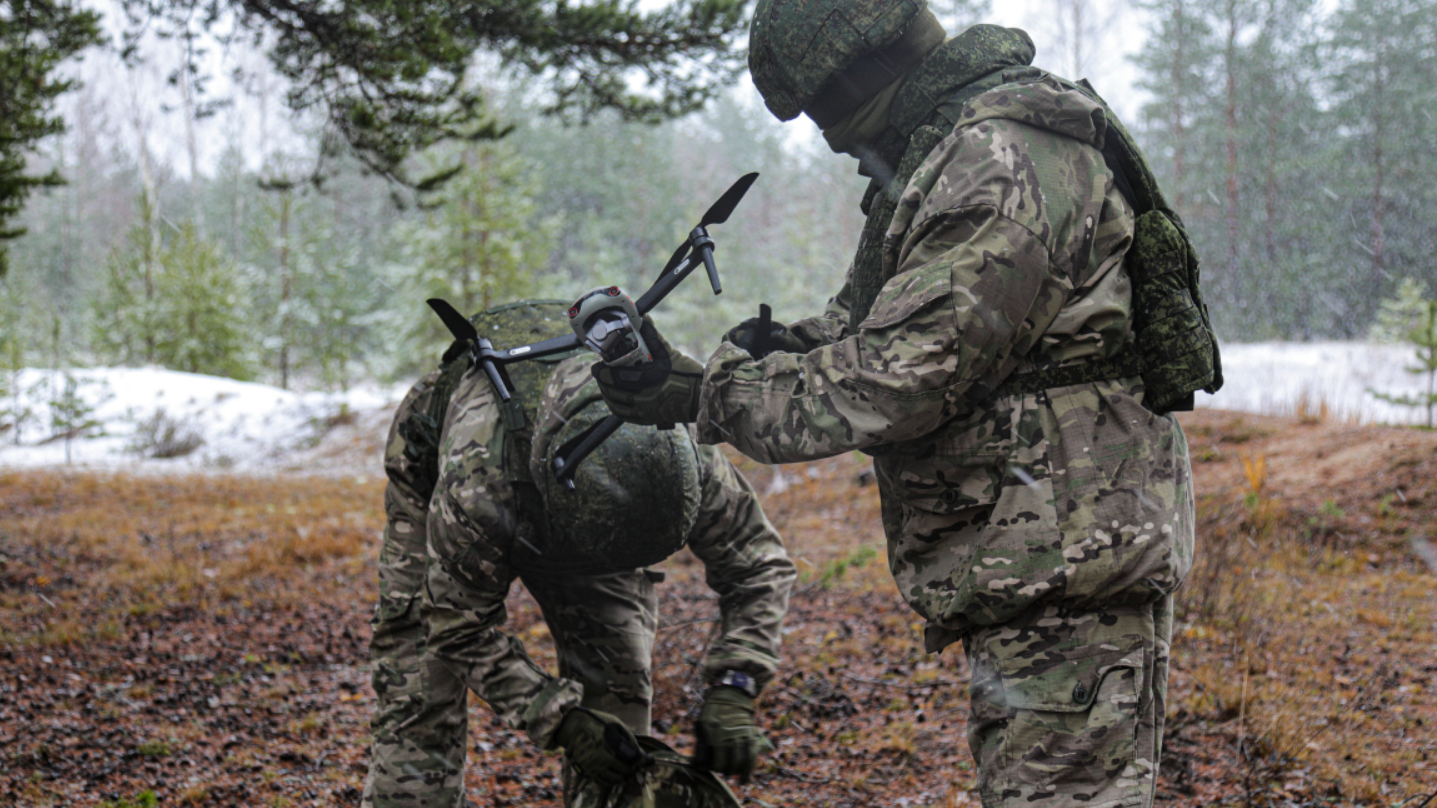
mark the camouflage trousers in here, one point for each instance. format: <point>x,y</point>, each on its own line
<point>603,629</point>
<point>1068,706</point>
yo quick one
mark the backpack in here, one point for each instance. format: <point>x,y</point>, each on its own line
<point>636,497</point>
<point>1175,337</point>
<point>1176,351</point>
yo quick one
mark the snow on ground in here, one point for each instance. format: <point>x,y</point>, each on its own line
<point>1284,378</point>
<point>257,428</point>
<point>129,414</point>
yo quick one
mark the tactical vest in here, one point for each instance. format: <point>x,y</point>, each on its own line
<point>1175,350</point>
<point>635,498</point>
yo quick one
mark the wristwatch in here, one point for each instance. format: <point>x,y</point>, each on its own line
<point>740,680</point>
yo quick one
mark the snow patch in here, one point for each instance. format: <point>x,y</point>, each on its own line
<point>244,426</point>
<point>1284,378</point>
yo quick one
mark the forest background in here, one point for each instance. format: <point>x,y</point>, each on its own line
<point>194,639</point>
<point>1295,137</point>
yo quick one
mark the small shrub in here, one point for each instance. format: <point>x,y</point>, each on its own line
<point>154,749</point>
<point>161,436</point>
<point>144,799</point>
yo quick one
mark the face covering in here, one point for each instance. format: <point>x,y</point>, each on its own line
<point>865,124</point>
<point>868,120</point>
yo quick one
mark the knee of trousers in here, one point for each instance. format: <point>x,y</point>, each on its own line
<point>1063,708</point>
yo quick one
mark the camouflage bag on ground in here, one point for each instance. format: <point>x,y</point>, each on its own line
<point>671,782</point>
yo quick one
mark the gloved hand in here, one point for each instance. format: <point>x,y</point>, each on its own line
<point>780,340</point>
<point>663,392</point>
<point>600,746</point>
<point>726,741</point>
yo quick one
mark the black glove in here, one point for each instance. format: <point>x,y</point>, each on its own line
<point>780,340</point>
<point>726,741</point>
<point>600,746</point>
<point>663,392</point>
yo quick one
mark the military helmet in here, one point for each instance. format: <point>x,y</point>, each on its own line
<point>671,782</point>
<point>635,499</point>
<point>826,57</point>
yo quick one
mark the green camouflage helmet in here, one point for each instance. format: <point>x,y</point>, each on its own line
<point>826,57</point>
<point>671,782</point>
<point>635,499</point>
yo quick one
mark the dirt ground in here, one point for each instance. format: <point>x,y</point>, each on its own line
<point>202,640</point>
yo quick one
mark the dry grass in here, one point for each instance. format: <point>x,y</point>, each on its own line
<point>1303,667</point>
<point>110,546</point>
<point>1305,646</point>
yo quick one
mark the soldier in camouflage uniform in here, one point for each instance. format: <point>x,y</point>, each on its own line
<point>462,546</point>
<point>980,350</point>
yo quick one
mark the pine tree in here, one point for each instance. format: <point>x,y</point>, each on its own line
<point>200,319</point>
<point>391,79</point>
<point>482,242</point>
<point>1383,83</point>
<point>1422,336</point>
<point>36,36</point>
<point>125,313</point>
<point>181,305</point>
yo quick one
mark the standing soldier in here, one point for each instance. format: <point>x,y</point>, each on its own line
<point>1019,320</point>
<point>470,474</point>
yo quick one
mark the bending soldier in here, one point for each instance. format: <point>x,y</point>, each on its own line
<point>471,506</point>
<point>985,350</point>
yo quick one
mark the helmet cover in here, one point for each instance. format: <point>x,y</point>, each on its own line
<point>796,47</point>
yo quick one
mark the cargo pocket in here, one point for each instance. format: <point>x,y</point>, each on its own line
<point>401,576</point>
<point>1074,713</point>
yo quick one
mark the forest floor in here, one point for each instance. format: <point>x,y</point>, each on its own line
<point>201,639</point>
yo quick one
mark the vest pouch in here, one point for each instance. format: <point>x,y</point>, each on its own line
<point>1176,345</point>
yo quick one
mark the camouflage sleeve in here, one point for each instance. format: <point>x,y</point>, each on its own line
<point>747,565</point>
<point>406,503</point>
<point>832,325</point>
<point>975,293</point>
<point>471,524</point>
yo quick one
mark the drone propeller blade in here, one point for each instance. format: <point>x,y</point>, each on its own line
<point>719,212</point>
<point>457,323</point>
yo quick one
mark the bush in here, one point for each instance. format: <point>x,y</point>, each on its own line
<point>161,436</point>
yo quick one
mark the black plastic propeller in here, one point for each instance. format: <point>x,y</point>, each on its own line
<point>457,323</point>
<point>720,210</point>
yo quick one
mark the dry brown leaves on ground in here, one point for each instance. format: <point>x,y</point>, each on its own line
<point>202,640</point>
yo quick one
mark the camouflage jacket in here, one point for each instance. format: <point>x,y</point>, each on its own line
<point>1005,254</point>
<point>472,519</point>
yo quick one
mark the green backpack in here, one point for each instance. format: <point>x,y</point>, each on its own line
<point>1175,337</point>
<point>506,326</point>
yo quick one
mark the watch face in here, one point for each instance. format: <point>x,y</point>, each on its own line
<point>738,679</point>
